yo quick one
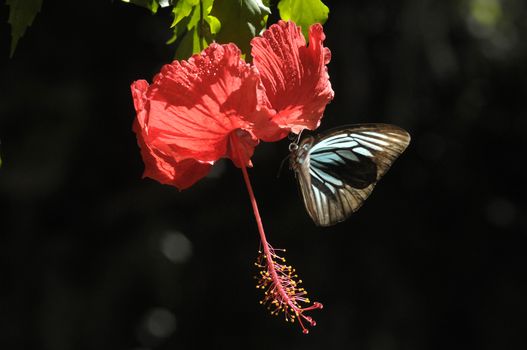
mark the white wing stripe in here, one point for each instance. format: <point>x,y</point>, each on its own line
<point>363,151</point>
<point>329,157</point>
<point>336,137</point>
<point>332,180</point>
<point>318,200</point>
<point>371,139</point>
<point>382,136</point>
<point>326,180</point>
<point>315,175</point>
<point>371,145</point>
<point>348,155</point>
<point>344,143</point>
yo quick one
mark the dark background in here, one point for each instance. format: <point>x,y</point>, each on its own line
<point>94,257</point>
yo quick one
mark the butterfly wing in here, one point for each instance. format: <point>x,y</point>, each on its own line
<point>342,167</point>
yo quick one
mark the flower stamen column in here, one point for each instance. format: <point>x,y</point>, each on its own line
<point>282,293</point>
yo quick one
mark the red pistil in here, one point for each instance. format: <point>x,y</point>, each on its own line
<point>282,293</point>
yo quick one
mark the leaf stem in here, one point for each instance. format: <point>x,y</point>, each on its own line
<point>201,26</point>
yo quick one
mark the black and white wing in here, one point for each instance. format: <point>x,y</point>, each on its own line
<point>341,168</point>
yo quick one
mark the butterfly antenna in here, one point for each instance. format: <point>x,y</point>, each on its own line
<point>281,166</point>
<point>294,138</point>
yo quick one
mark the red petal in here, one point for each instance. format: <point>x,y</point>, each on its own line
<point>195,105</point>
<point>294,75</point>
<point>161,166</point>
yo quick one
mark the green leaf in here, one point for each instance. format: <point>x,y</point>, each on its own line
<point>178,31</point>
<point>194,18</point>
<point>182,9</point>
<point>303,12</point>
<point>21,15</point>
<point>193,26</point>
<point>241,20</point>
<point>189,45</point>
<point>152,5</point>
<point>214,24</point>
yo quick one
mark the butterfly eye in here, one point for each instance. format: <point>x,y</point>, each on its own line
<point>293,147</point>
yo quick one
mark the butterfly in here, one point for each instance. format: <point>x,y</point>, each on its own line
<point>337,170</point>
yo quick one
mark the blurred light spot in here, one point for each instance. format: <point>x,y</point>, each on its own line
<point>486,12</point>
<point>160,323</point>
<point>176,247</point>
<point>488,20</point>
<point>501,212</point>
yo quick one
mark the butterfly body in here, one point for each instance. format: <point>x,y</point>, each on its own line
<point>337,171</point>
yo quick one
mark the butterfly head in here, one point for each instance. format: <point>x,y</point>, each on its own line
<point>299,152</point>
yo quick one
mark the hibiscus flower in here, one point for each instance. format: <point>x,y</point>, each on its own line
<point>196,111</point>
<point>215,105</point>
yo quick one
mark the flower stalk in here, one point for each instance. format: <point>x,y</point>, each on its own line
<point>282,291</point>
